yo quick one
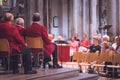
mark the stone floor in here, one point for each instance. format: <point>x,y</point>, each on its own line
<point>67,66</point>
<point>75,65</point>
<point>42,74</point>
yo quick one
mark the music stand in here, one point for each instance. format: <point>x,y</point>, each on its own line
<point>61,42</point>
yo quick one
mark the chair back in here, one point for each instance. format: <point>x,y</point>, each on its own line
<point>91,57</point>
<point>4,45</point>
<point>34,42</point>
<point>105,57</point>
<point>117,58</point>
<point>79,56</point>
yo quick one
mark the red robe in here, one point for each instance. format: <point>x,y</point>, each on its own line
<point>37,30</point>
<point>21,30</point>
<point>11,33</point>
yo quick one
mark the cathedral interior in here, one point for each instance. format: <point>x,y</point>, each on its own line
<point>67,17</point>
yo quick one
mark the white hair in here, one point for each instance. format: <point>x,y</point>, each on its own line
<point>106,36</point>
<point>20,21</point>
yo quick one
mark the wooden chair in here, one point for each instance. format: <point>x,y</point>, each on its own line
<point>5,51</point>
<point>37,44</point>
<point>90,57</point>
<point>105,57</point>
<point>78,56</point>
<point>114,67</point>
<point>104,60</point>
<point>116,58</point>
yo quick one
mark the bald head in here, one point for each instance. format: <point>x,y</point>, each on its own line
<point>36,17</point>
<point>8,17</point>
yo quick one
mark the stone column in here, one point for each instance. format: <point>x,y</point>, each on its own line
<point>93,17</point>
<point>32,6</point>
<point>65,19</point>
<point>56,11</point>
<point>70,13</point>
<point>119,19</point>
<point>86,16</point>
<point>27,14</point>
<point>40,9</point>
<point>112,16</point>
<point>78,17</point>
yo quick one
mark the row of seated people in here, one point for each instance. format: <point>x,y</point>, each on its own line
<point>102,48</point>
<point>15,36</point>
<point>96,46</point>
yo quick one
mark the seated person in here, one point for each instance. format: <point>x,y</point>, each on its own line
<point>54,54</point>
<point>20,26</point>
<point>84,44</point>
<point>76,35</point>
<point>116,45</point>
<point>95,47</point>
<point>105,46</point>
<point>60,38</point>
<point>73,46</point>
<point>37,30</point>
<point>9,32</point>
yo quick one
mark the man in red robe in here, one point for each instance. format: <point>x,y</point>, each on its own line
<point>37,30</point>
<point>9,32</point>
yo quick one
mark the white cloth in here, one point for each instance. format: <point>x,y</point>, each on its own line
<point>82,49</point>
<point>114,45</point>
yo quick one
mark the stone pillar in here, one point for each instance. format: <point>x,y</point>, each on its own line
<point>65,19</point>
<point>27,13</point>
<point>86,17</point>
<point>112,16</point>
<point>78,17</point>
<point>37,6</point>
<point>118,28</point>
<point>70,13</point>
<point>56,11</point>
<point>93,18</point>
<point>40,9</point>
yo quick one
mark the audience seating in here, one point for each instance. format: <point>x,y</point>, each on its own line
<point>100,59</point>
<point>90,57</point>
<point>36,43</point>
<point>78,56</point>
<point>5,51</point>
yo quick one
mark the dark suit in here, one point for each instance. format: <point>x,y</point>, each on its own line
<point>15,40</point>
